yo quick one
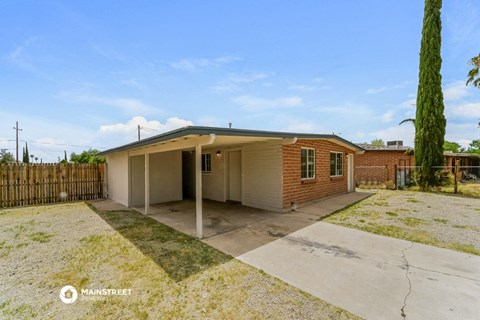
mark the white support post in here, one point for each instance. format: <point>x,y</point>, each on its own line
<point>147,183</point>
<point>198,190</point>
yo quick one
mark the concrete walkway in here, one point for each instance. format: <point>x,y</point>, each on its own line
<point>256,231</point>
<point>372,276</point>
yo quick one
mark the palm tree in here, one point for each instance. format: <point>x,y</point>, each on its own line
<point>412,120</point>
<point>475,72</point>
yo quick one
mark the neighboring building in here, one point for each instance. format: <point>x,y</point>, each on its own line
<point>469,163</point>
<point>268,170</point>
<point>376,166</point>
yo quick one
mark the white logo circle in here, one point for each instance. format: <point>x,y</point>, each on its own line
<point>68,294</point>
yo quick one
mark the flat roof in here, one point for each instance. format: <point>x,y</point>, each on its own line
<point>461,154</point>
<point>371,147</point>
<point>199,130</point>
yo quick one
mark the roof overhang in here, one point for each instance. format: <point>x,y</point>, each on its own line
<point>189,137</point>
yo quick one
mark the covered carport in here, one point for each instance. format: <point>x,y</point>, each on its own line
<point>157,169</point>
<point>258,169</point>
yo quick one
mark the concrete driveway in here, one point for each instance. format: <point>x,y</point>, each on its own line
<point>372,276</point>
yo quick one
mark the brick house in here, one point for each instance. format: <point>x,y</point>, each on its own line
<point>275,171</point>
<point>377,164</point>
<point>469,163</point>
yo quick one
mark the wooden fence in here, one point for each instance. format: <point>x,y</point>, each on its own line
<point>30,184</point>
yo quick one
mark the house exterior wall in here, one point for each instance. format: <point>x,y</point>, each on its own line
<point>117,177</point>
<point>166,176</point>
<point>213,183</point>
<point>137,181</point>
<point>262,175</point>
<point>379,165</point>
<point>298,191</point>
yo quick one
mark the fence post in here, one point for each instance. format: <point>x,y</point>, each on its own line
<point>395,176</point>
<point>455,187</point>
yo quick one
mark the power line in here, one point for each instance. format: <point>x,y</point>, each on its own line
<point>55,144</point>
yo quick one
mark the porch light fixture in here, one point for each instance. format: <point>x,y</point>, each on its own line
<point>219,154</point>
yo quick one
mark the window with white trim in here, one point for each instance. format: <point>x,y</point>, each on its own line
<point>206,162</point>
<point>336,164</point>
<point>307,163</point>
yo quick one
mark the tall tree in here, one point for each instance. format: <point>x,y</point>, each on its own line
<point>378,143</point>
<point>430,121</point>
<point>452,146</point>
<point>474,73</point>
<point>6,156</point>
<point>88,156</point>
<point>474,147</point>
<point>26,156</point>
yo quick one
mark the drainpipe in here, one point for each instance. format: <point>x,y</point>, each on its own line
<point>285,142</point>
<point>203,141</point>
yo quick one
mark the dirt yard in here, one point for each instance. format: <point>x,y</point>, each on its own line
<point>445,221</point>
<point>171,275</point>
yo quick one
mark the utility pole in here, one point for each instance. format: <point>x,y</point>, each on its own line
<point>17,129</point>
<point>138,130</point>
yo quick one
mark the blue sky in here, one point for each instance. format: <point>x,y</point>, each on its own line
<point>80,74</point>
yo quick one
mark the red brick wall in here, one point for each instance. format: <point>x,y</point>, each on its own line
<point>378,158</point>
<point>299,191</point>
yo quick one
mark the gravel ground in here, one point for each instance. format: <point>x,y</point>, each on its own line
<point>447,218</point>
<point>45,248</point>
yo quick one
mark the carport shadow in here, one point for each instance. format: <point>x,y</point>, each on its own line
<point>180,255</point>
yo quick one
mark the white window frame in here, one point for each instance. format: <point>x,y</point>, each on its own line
<point>206,165</point>
<point>336,164</point>
<point>307,163</point>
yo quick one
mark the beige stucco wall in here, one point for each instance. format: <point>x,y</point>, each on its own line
<point>213,183</point>
<point>117,177</point>
<point>137,181</point>
<point>262,175</point>
<point>166,176</point>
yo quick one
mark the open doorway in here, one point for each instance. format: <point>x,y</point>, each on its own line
<point>188,174</point>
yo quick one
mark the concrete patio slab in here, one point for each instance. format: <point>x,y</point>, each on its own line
<point>373,276</point>
<point>236,229</point>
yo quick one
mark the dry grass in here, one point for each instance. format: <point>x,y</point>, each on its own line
<point>172,275</point>
<point>469,189</point>
<point>420,217</point>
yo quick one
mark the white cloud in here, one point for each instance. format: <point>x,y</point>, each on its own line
<point>132,83</point>
<point>406,133</point>
<point>455,91</point>
<point>388,88</point>
<point>19,56</point>
<point>469,110</point>
<point>303,127</point>
<point>233,81</point>
<point>302,87</point>
<point>128,105</point>
<point>387,116</point>
<point>462,133</point>
<point>189,64</point>
<point>376,90</point>
<point>251,103</point>
<point>152,125</point>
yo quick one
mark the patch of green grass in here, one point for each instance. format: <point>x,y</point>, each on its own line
<point>41,237</point>
<point>444,221</point>
<point>413,200</point>
<point>467,248</point>
<point>420,236</point>
<point>380,203</point>
<point>22,311</point>
<point>391,213</point>
<point>466,227</point>
<point>412,221</point>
